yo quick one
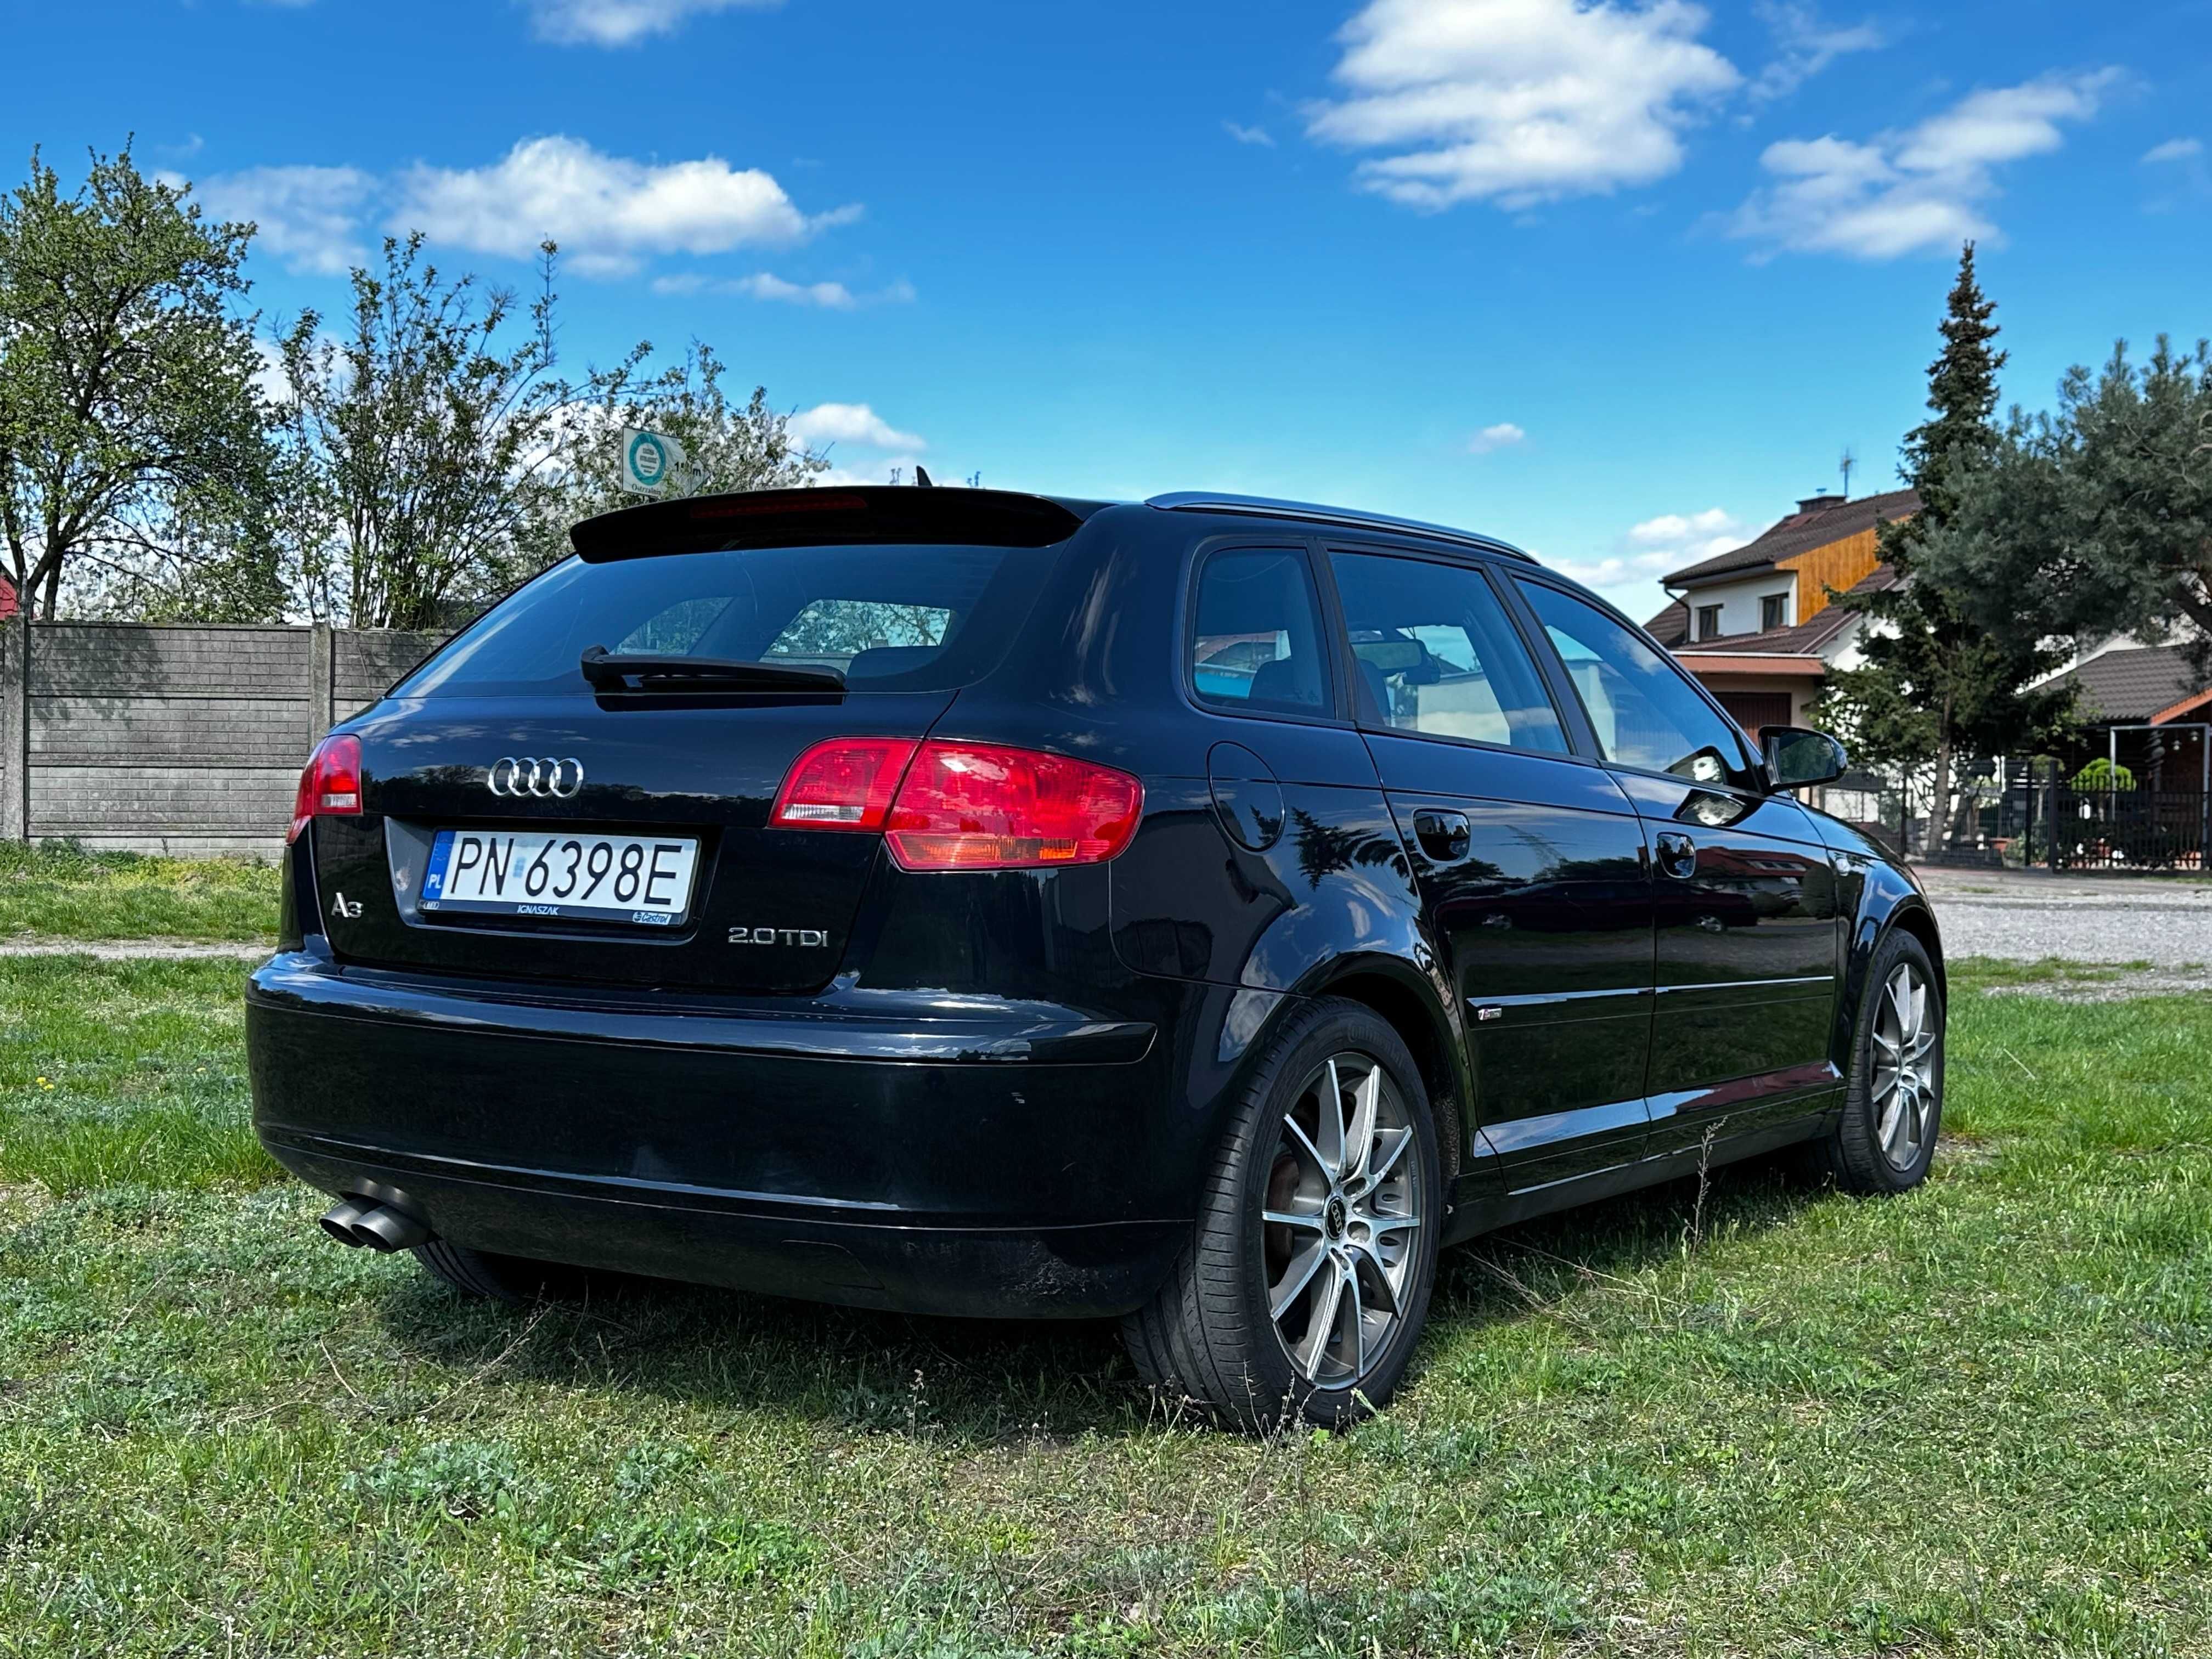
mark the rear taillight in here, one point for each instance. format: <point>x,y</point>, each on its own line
<point>977,807</point>
<point>962,806</point>
<point>330,787</point>
<point>845,783</point>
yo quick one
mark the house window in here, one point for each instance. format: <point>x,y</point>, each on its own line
<point>1773,612</point>
<point>1709,622</point>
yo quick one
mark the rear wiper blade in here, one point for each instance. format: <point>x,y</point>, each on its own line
<point>609,673</point>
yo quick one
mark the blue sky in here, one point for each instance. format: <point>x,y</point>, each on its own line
<point>1616,283</point>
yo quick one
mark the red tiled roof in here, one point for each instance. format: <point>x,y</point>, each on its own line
<point>1801,532</point>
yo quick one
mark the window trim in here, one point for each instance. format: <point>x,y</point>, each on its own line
<point>1195,561</point>
<point>1483,571</point>
<point>1753,766</point>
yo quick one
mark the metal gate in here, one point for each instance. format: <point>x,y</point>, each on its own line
<point>2042,818</point>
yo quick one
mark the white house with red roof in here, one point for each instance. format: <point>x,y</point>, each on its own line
<point>1756,625</point>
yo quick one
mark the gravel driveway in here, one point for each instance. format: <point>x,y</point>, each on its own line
<point>1990,913</point>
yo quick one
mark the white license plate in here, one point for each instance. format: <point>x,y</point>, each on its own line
<point>645,879</point>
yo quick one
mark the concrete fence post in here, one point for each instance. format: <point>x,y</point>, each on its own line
<point>16,723</point>
<point>322,682</point>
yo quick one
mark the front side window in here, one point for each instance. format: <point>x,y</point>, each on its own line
<point>1256,640</point>
<point>1436,655</point>
<point>1647,714</point>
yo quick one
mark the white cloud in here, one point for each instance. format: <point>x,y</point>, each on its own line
<point>308,216</point>
<point>620,22</point>
<point>839,429</point>
<point>1700,535</point>
<point>271,379</point>
<point>1804,45</point>
<point>1904,192</point>
<point>851,424</point>
<point>607,212</point>
<point>766,285</point>
<point>1629,573</point>
<point>1494,437</point>
<point>2174,150</point>
<point>1244,135</point>
<point>1519,102</point>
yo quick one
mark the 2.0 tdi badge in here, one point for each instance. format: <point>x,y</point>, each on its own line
<point>809,937</point>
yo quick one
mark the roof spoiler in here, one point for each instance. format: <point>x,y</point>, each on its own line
<point>827,518</point>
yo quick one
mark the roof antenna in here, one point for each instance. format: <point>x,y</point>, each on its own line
<point>1849,462</point>
<point>921,478</point>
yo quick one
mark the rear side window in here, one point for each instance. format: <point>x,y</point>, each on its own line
<point>1256,642</point>
<point>890,618</point>
<point>1436,655</point>
<point>1646,713</point>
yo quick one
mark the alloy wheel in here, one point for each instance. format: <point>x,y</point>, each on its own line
<point>1905,1083</point>
<point>1340,1232</point>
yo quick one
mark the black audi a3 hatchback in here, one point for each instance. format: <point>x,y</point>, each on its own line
<point>1196,912</point>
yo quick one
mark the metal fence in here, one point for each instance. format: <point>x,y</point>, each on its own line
<point>2032,814</point>
<point>2029,813</point>
<point>2149,830</point>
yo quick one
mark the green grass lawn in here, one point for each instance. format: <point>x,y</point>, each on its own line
<point>1977,1419</point>
<point>57,889</point>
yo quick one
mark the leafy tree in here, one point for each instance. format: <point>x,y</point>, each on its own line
<point>2096,520</point>
<point>410,446</point>
<point>727,445</point>
<point>132,439</point>
<point>1935,685</point>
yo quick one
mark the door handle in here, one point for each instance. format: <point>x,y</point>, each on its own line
<point>1444,837</point>
<point>1678,855</point>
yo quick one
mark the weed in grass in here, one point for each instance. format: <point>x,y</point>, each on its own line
<point>56,889</point>
<point>116,1073</point>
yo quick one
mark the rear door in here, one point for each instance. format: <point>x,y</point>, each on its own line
<point>1749,927</point>
<point>500,781</point>
<point>1529,860</point>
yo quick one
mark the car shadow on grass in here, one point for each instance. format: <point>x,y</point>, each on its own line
<point>989,1381</point>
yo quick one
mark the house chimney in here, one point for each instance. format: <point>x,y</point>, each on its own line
<point>1820,503</point>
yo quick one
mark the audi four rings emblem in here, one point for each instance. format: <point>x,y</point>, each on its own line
<point>548,780</point>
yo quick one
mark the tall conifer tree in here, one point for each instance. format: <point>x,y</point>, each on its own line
<point>1936,686</point>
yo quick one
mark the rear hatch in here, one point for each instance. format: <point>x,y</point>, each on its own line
<point>578,788</point>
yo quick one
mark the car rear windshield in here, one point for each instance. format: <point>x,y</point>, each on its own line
<point>923,617</point>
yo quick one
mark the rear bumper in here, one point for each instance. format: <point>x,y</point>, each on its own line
<point>936,1155</point>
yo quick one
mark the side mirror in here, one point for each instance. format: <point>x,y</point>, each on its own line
<point>1798,758</point>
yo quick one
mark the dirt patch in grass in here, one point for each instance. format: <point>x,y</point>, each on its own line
<point>2064,981</point>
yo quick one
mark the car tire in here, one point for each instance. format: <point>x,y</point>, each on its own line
<point>1234,1329</point>
<point>509,1279</point>
<point>1885,1138</point>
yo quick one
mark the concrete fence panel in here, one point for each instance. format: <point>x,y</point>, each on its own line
<point>178,738</point>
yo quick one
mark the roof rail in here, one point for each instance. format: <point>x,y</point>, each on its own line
<point>1266,506</point>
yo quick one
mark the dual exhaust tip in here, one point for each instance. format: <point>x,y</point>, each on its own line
<point>374,1219</point>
